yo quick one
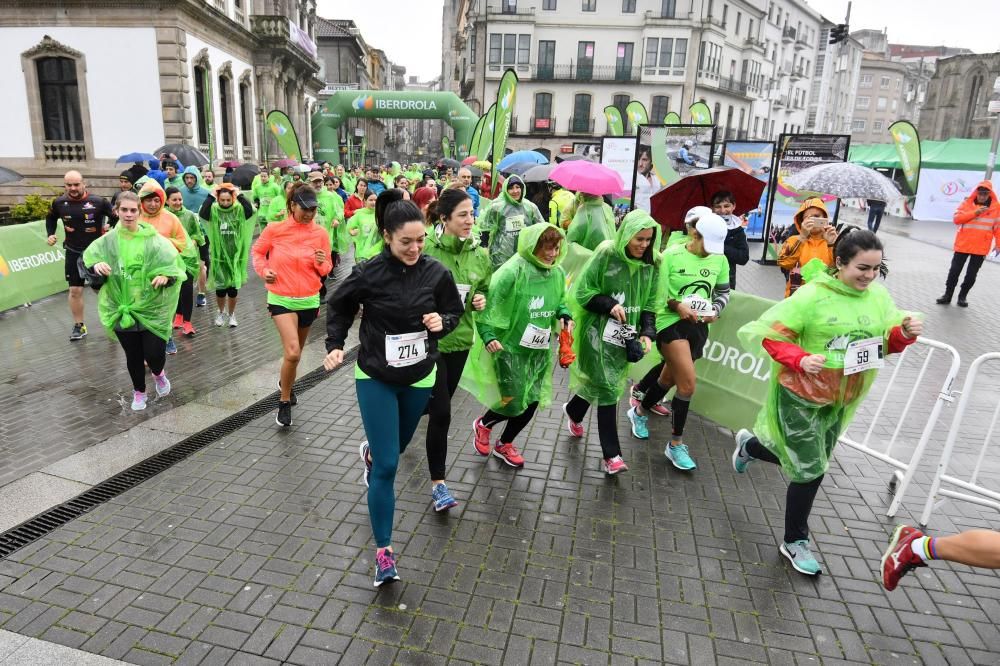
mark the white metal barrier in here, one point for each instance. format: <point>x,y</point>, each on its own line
<point>904,471</point>
<point>982,496</point>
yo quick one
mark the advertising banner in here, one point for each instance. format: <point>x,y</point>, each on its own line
<point>754,158</point>
<point>907,141</point>
<point>284,135</point>
<point>506,93</point>
<point>485,144</point>
<point>614,117</point>
<point>592,151</point>
<point>700,114</point>
<point>664,153</point>
<point>672,118</point>
<point>793,153</point>
<point>29,268</point>
<point>637,115</point>
<point>476,134</point>
<point>732,382</point>
<point>618,153</point>
<point>943,190</point>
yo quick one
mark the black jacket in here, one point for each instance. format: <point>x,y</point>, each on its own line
<point>395,297</point>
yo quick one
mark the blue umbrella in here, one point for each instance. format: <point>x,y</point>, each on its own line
<point>522,156</point>
<point>135,157</point>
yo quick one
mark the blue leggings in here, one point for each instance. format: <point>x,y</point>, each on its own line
<point>390,413</point>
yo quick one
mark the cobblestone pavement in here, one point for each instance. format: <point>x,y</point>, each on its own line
<point>257,549</point>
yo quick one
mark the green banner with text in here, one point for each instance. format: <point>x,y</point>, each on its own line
<point>284,135</point>
<point>700,114</point>
<point>506,95</point>
<point>614,117</point>
<point>29,268</point>
<point>907,141</point>
<point>636,113</point>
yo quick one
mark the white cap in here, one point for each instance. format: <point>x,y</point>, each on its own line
<point>692,215</point>
<point>713,230</point>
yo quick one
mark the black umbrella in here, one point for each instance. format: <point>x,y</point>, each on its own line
<point>518,168</point>
<point>243,175</point>
<point>188,155</point>
<point>572,158</point>
<point>446,162</point>
<point>9,176</point>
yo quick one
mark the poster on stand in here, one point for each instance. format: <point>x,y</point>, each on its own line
<point>794,153</point>
<point>664,154</point>
<point>755,158</point>
<point>618,153</point>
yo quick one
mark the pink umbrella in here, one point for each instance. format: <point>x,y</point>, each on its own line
<point>469,160</point>
<point>587,177</point>
<point>282,163</point>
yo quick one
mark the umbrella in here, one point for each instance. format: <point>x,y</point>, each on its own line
<point>587,177</point>
<point>228,164</point>
<point>282,163</point>
<point>483,164</point>
<point>517,168</point>
<point>522,156</point>
<point>135,157</point>
<point>538,173</point>
<point>669,205</point>
<point>845,180</point>
<point>243,175</point>
<point>471,159</point>
<point>188,155</point>
<point>9,176</point>
<point>572,158</point>
<point>446,162</point>
<point>302,168</point>
<point>474,170</point>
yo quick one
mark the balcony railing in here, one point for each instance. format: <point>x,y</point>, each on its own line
<point>247,153</point>
<point>780,101</point>
<point>754,43</point>
<point>660,16</point>
<point>728,84</point>
<point>513,12</point>
<point>710,21</point>
<point>280,31</point>
<point>584,72</point>
<point>64,151</point>
<point>229,152</point>
<point>581,125</point>
<point>788,35</point>
<point>798,73</point>
<point>542,125</point>
<point>801,43</point>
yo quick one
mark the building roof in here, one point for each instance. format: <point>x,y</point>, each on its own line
<point>336,28</point>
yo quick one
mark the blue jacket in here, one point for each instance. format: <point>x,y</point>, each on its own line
<point>159,175</point>
<point>194,197</point>
<point>474,193</point>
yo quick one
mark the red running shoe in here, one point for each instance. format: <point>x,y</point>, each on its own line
<point>481,437</point>
<point>188,329</point>
<point>899,557</point>
<point>575,429</point>
<point>178,321</point>
<point>509,454</point>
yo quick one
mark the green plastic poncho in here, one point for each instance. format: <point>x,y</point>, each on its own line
<point>278,210</point>
<point>192,225</point>
<point>593,223</point>
<point>504,220</point>
<point>263,194</point>
<point>368,241</point>
<point>523,309</point>
<point>128,296</point>
<point>598,376</point>
<point>330,216</point>
<point>805,414</point>
<point>229,235</point>
<point>349,182</point>
<point>471,267</point>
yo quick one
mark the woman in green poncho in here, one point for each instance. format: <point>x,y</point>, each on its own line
<point>452,242</point>
<point>363,230</point>
<point>190,256</point>
<point>593,222</point>
<point>263,191</point>
<point>505,218</point>
<point>613,301</point>
<point>827,342</point>
<point>277,211</point>
<point>230,229</point>
<point>512,363</point>
<point>136,303</point>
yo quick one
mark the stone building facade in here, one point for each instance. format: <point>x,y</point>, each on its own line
<point>957,98</point>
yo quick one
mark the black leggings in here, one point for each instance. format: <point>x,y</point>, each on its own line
<point>798,499</point>
<point>185,304</point>
<point>607,424</point>
<point>142,348</point>
<point>449,371</point>
<point>515,424</point>
<point>649,385</point>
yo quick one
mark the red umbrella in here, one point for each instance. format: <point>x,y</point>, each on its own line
<point>282,163</point>
<point>587,177</point>
<point>230,164</point>
<point>469,160</point>
<point>670,204</point>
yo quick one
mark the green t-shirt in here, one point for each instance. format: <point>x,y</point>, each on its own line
<point>294,302</point>
<point>683,273</point>
<point>426,382</point>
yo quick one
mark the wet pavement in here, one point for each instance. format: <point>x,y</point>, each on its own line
<point>257,549</point>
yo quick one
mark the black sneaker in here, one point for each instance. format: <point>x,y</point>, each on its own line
<point>284,417</point>
<point>292,400</point>
<point>79,332</point>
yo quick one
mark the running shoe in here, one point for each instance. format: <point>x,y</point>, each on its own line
<point>481,437</point>
<point>363,451</point>
<point>639,428</point>
<point>292,399</point>
<point>612,466</point>
<point>232,321</point>
<point>509,454</point>
<point>575,429</point>
<point>679,456</point>
<point>188,329</point>
<point>385,567</point>
<point>899,558</point>
<point>200,302</point>
<point>740,456</point>
<point>138,401</point>
<point>660,408</point>
<point>441,498</point>
<point>800,555</point>
<point>178,321</point>
<point>79,332</point>
<point>284,417</point>
<point>220,318</point>
<point>171,346</point>
<point>162,384</point>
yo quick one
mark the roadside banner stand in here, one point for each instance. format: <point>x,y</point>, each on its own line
<point>29,268</point>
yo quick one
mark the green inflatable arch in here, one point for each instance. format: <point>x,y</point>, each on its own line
<point>346,104</point>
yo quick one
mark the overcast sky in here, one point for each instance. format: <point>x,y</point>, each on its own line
<point>409,31</point>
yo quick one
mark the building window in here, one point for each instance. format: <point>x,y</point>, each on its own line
<point>523,49</point>
<point>495,42</point>
<point>584,60</point>
<point>549,5</point>
<point>668,8</point>
<point>60,97</point>
<point>680,53</point>
<point>225,107</point>
<point>899,82</point>
<point>749,28</point>
<point>858,125</point>
<point>739,22</point>
<point>628,6</point>
<point>895,105</point>
<point>623,61</point>
<point>884,83</point>
<point>659,108</point>
<point>710,58</point>
<point>543,105</point>
<point>508,6</point>
<point>620,102</point>
<point>876,126</point>
<point>716,112</point>
<point>590,5</point>
<point>866,81</point>
<point>201,101</point>
<point>245,113</point>
<point>863,102</point>
<point>581,113</point>
<point>546,59</point>
<point>881,104</point>
<point>509,49</point>
<point>725,15</point>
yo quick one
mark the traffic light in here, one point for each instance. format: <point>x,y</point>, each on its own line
<point>839,33</point>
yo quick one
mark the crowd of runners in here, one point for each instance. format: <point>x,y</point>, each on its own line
<point>457,284</point>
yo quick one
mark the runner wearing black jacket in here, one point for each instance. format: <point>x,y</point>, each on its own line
<point>83,216</point>
<point>410,302</point>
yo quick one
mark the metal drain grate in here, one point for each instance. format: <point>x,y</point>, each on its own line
<point>18,537</point>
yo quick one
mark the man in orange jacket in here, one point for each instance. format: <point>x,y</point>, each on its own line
<point>978,220</point>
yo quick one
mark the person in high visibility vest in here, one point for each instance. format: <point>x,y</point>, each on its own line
<point>978,220</point>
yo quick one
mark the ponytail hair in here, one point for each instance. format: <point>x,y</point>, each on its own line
<point>392,211</point>
<point>853,240</point>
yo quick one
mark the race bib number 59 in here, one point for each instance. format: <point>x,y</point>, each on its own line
<point>863,355</point>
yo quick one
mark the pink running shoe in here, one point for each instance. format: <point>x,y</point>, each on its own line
<point>612,466</point>
<point>481,437</point>
<point>575,429</point>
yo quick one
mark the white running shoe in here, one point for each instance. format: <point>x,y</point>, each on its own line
<point>232,320</point>
<point>162,384</point>
<point>138,401</point>
<point>220,318</point>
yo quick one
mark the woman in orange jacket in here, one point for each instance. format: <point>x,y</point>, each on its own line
<point>293,258</point>
<point>814,241</point>
<point>978,220</point>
